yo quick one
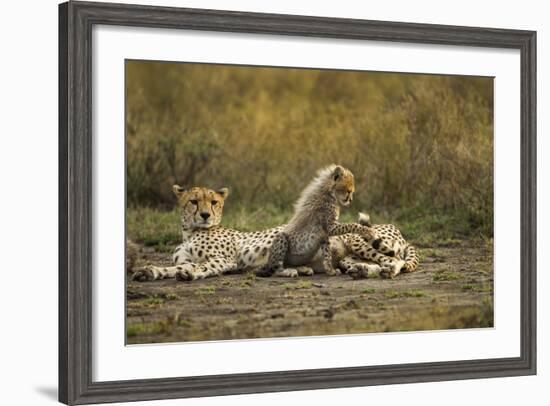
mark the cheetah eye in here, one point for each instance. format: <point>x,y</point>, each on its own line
<point>194,202</point>
<point>214,202</point>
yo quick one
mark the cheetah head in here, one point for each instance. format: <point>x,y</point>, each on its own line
<point>343,185</point>
<point>200,207</point>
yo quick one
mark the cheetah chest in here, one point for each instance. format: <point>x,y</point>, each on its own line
<point>199,249</point>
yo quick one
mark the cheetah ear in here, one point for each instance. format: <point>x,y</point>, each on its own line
<point>178,190</point>
<point>224,192</point>
<point>337,172</point>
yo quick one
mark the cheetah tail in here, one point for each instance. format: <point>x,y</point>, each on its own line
<point>364,220</point>
<point>411,259</point>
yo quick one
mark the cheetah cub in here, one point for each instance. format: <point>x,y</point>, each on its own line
<point>358,259</point>
<point>315,219</point>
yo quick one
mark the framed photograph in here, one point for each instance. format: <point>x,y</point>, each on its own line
<point>258,203</point>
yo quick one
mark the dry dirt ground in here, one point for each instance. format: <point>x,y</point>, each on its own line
<point>453,288</point>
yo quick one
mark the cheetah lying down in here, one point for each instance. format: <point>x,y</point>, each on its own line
<point>209,249</point>
<point>358,259</point>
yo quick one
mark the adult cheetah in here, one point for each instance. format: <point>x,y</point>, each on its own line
<point>209,249</point>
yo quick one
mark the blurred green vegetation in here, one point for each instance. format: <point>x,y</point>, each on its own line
<point>161,228</point>
<point>420,146</point>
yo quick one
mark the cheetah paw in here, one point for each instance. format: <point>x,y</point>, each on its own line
<point>391,271</point>
<point>333,272</point>
<point>305,271</point>
<point>288,273</point>
<point>388,272</point>
<point>185,275</point>
<point>146,274</point>
<point>357,272</point>
<point>364,271</point>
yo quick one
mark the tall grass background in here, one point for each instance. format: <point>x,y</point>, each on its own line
<point>420,146</point>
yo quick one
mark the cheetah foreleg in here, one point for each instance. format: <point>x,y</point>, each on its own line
<point>211,267</point>
<point>294,272</point>
<point>358,269</point>
<point>153,273</point>
<point>390,267</point>
<point>286,273</point>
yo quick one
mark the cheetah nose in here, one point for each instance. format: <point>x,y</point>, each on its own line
<point>205,215</point>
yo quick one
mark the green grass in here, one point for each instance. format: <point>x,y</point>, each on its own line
<point>251,276</point>
<point>298,285</point>
<point>393,294</point>
<point>153,227</point>
<point>161,229</point>
<point>161,327</point>
<point>155,328</point>
<point>427,229</point>
<point>252,219</point>
<point>477,288</point>
<point>143,329</point>
<point>446,276</point>
<point>206,290</point>
<point>369,291</point>
<point>154,301</point>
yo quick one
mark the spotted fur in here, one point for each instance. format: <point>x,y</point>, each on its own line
<point>209,249</point>
<point>315,220</point>
<point>356,257</point>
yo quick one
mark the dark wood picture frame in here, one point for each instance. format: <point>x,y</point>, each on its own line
<point>76,20</point>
